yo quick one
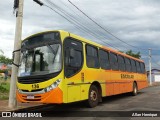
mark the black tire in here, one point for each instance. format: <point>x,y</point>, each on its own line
<point>93,96</point>
<point>135,89</point>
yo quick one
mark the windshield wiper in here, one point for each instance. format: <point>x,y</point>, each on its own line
<point>54,52</point>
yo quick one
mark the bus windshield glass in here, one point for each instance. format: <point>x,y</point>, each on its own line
<point>41,59</point>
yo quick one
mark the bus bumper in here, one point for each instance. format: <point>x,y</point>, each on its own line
<point>53,96</point>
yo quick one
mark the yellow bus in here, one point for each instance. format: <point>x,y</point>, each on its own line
<point>60,67</point>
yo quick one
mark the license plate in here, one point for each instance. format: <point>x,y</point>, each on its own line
<point>30,97</point>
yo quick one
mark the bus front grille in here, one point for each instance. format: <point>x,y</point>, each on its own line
<point>37,78</point>
<point>32,90</point>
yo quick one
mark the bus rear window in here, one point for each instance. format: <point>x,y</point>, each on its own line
<point>142,67</point>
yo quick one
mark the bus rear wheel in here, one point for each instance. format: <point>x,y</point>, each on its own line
<point>135,89</point>
<point>93,96</point>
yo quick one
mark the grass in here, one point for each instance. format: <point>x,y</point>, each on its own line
<point>4,89</point>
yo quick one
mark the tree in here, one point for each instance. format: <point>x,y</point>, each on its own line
<point>136,55</point>
<point>5,60</point>
<point>1,52</point>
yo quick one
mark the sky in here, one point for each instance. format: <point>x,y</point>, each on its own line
<point>136,22</point>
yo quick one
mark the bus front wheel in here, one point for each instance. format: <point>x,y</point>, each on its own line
<point>93,96</point>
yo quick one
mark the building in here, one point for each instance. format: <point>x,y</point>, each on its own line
<point>3,67</point>
<point>155,75</point>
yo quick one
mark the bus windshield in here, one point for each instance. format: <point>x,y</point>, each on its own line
<point>40,60</point>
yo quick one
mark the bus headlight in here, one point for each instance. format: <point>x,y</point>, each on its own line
<point>20,91</point>
<point>54,85</point>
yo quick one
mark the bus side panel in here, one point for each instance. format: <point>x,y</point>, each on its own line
<point>121,87</point>
<point>105,85</point>
<point>128,86</point>
<point>73,87</point>
<point>142,84</point>
<point>115,77</point>
<point>116,88</point>
<point>74,93</point>
<point>109,88</point>
<point>84,91</point>
<point>125,86</point>
<point>142,81</point>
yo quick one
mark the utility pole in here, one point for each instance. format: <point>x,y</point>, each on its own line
<point>17,45</point>
<point>150,67</point>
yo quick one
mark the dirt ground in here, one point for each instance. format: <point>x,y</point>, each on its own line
<point>4,105</point>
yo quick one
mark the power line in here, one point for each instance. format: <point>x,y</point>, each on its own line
<point>38,2</point>
<point>87,23</point>
<point>78,27</point>
<point>75,20</point>
<point>72,21</point>
<point>155,62</point>
<point>103,27</point>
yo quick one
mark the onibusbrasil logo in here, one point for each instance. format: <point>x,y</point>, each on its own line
<point>14,114</point>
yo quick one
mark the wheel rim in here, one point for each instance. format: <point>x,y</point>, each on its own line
<point>135,90</point>
<point>93,95</point>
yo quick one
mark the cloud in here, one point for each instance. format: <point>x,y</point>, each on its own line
<point>133,21</point>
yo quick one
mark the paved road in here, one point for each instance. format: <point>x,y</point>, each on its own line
<point>147,100</point>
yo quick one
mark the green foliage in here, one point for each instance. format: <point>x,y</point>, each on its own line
<point>4,97</point>
<point>130,52</point>
<point>136,55</point>
<point>5,60</point>
<point>3,89</point>
<point>1,51</point>
<point>3,71</point>
<point>121,51</point>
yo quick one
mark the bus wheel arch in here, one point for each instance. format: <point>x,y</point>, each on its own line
<point>97,84</point>
<point>96,91</point>
<point>135,89</point>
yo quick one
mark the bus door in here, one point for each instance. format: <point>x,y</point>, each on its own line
<point>73,63</point>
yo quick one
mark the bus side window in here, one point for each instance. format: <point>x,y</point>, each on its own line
<point>133,64</point>
<point>104,59</point>
<point>138,67</point>
<point>128,64</point>
<point>113,61</point>
<point>142,67</point>
<point>92,57</point>
<point>73,56</point>
<point>121,63</point>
